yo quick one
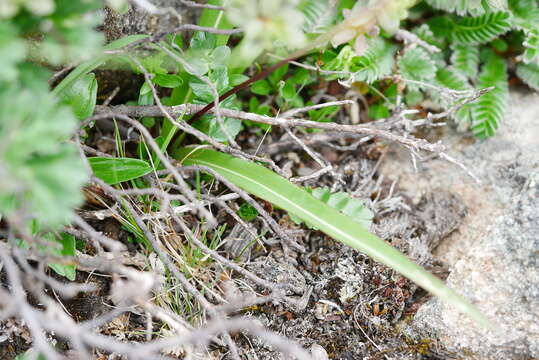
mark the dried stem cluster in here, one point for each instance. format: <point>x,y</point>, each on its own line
<point>134,289</point>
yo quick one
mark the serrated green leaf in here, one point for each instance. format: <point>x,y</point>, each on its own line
<point>529,74</point>
<point>524,13</point>
<point>465,59</point>
<point>488,111</point>
<point>481,29</point>
<point>271,187</point>
<point>461,7</point>
<point>531,44</point>
<point>376,63</point>
<point>417,65</point>
<point>81,96</point>
<point>450,78</point>
<point>426,34</point>
<point>117,170</point>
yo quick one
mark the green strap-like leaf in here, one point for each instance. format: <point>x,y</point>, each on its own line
<point>271,187</point>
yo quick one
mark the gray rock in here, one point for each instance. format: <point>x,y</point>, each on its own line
<point>137,21</point>
<point>496,259</point>
<point>501,276</point>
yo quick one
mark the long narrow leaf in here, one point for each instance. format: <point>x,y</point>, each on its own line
<point>271,187</point>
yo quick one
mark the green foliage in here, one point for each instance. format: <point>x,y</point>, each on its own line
<point>417,65</point>
<point>319,15</point>
<point>376,63</point>
<point>81,96</point>
<point>68,248</point>
<point>267,25</point>
<point>525,17</point>
<point>39,171</point>
<point>451,78</point>
<point>247,213</point>
<point>30,355</point>
<point>465,59</point>
<point>115,170</point>
<point>480,29</point>
<point>529,73</point>
<point>12,49</point>
<point>489,109</point>
<point>461,7</point>
<point>66,28</point>
<point>271,187</point>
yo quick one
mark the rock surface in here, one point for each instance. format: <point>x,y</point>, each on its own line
<point>168,14</point>
<point>494,255</point>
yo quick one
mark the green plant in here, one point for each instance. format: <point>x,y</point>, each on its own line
<point>301,204</point>
<point>463,46</point>
<point>209,72</point>
<point>41,174</point>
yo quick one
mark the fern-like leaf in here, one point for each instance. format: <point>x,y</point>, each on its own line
<point>425,33</point>
<point>376,63</point>
<point>465,59</point>
<point>489,110</point>
<point>525,17</point>
<point>319,15</point>
<point>416,65</point>
<point>523,13</point>
<point>531,44</point>
<point>481,29</point>
<point>451,78</point>
<point>461,7</point>
<point>529,74</point>
<point>342,202</point>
